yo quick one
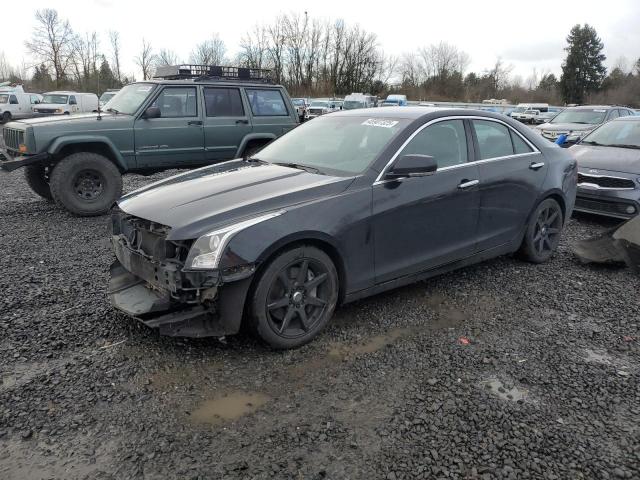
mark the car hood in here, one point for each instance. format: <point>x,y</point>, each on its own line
<point>624,160</point>
<point>566,127</point>
<point>195,202</point>
<point>75,119</point>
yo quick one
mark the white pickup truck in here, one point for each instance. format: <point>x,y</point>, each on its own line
<point>15,103</point>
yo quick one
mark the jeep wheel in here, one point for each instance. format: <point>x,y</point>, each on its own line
<point>6,117</point>
<point>86,184</point>
<point>36,177</point>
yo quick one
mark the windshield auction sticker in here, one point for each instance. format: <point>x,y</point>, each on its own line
<point>379,122</point>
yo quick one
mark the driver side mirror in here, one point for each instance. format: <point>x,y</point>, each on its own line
<point>413,165</point>
<point>152,112</point>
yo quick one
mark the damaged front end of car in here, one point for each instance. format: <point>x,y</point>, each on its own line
<point>152,281</point>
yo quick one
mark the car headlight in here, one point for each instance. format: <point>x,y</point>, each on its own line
<point>206,252</point>
<point>59,110</point>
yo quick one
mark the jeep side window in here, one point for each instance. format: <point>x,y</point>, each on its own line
<point>223,102</point>
<point>266,103</point>
<point>72,100</point>
<point>13,100</point>
<point>175,102</point>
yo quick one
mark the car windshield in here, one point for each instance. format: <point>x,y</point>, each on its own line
<point>624,134</point>
<point>4,98</point>
<point>298,101</point>
<point>334,145</point>
<point>351,104</point>
<point>519,109</point>
<point>319,104</point>
<point>129,98</point>
<point>55,99</point>
<point>591,117</point>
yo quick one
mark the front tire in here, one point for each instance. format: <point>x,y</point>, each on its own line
<point>294,297</point>
<point>543,232</point>
<point>6,117</point>
<point>86,184</point>
<point>36,177</point>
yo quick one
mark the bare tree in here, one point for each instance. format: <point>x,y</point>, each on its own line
<point>166,57</point>
<point>499,76</point>
<point>52,42</point>
<point>209,52</point>
<point>114,38</point>
<point>85,57</point>
<point>145,60</point>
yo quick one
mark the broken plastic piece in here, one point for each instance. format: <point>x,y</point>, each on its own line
<point>464,341</point>
<point>619,245</point>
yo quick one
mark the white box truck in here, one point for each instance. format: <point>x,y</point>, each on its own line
<point>15,103</point>
<point>66,103</point>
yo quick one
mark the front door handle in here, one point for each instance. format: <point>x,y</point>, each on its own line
<point>536,165</point>
<point>246,122</point>
<point>195,122</point>
<point>468,184</point>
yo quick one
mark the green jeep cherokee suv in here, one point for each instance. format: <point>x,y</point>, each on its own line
<point>194,116</point>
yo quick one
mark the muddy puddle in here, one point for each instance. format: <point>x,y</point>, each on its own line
<point>228,408</point>
<point>370,345</point>
<point>510,393</point>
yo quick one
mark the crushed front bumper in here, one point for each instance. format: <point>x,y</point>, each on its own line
<point>177,303</point>
<point>9,163</point>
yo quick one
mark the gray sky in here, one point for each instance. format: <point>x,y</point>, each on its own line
<point>525,34</point>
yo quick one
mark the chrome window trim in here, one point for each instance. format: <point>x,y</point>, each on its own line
<point>535,149</point>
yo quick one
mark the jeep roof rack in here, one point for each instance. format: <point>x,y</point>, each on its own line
<point>213,72</point>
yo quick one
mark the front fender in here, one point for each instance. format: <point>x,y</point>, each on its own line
<point>59,143</point>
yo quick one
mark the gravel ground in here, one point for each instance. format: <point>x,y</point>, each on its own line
<point>502,370</point>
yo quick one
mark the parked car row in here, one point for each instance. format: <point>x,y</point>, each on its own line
<point>287,221</point>
<point>16,104</point>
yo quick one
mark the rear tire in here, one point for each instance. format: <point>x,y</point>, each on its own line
<point>86,184</point>
<point>294,297</point>
<point>543,232</point>
<point>36,178</point>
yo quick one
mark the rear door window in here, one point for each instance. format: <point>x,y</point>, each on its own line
<point>13,100</point>
<point>445,141</point>
<point>494,139</point>
<point>223,102</point>
<point>266,103</point>
<point>519,145</point>
<point>613,114</point>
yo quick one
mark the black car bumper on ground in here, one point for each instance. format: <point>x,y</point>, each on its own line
<point>163,296</point>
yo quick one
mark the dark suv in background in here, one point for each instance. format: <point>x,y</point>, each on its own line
<point>189,116</point>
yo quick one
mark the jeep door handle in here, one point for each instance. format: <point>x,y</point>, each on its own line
<point>195,122</point>
<point>536,165</point>
<point>468,184</point>
<point>246,122</point>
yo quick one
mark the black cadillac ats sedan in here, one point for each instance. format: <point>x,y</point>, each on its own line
<point>345,206</point>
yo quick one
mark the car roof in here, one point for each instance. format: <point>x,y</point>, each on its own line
<point>630,118</point>
<point>595,107</point>
<point>412,113</point>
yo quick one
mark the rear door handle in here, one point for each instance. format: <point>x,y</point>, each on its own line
<point>195,122</point>
<point>468,184</point>
<point>246,122</point>
<point>536,166</point>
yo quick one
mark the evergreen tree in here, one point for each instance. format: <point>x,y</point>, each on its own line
<point>583,70</point>
<point>548,82</point>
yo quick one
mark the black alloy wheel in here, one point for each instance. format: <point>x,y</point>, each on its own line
<point>543,232</point>
<point>298,298</point>
<point>88,184</point>
<point>294,297</point>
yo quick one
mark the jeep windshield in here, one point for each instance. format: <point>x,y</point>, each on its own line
<point>4,98</point>
<point>55,99</point>
<point>129,99</point>
<point>333,145</point>
<point>583,115</point>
